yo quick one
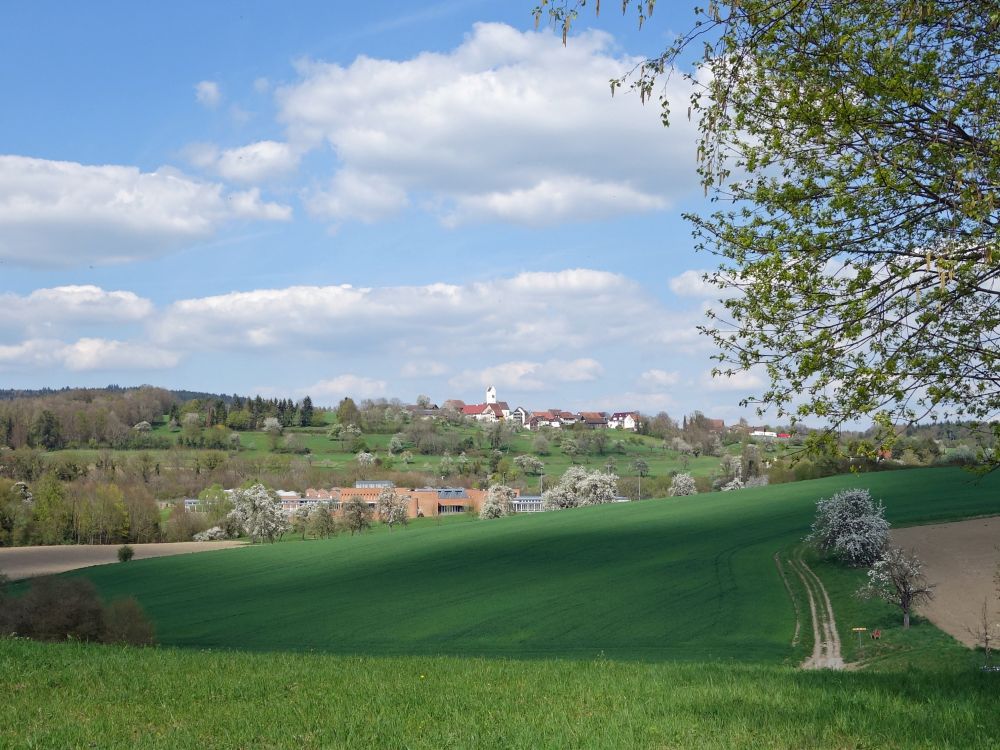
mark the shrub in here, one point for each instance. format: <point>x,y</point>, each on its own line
<point>683,485</point>
<point>56,609</point>
<point>214,534</point>
<point>125,553</point>
<point>497,502</point>
<point>126,622</point>
<point>850,526</point>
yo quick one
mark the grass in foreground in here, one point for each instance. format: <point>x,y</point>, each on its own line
<point>74,695</point>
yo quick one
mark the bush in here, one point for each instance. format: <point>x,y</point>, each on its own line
<point>683,485</point>
<point>126,622</point>
<point>214,534</point>
<point>57,609</point>
<point>850,526</point>
<point>125,553</point>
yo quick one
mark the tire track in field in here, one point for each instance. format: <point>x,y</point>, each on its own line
<point>826,652</point>
<point>791,595</point>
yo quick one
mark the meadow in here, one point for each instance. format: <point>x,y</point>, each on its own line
<point>75,695</point>
<point>655,624</point>
<point>682,579</point>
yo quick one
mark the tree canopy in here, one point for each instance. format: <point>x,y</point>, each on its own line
<point>852,153</point>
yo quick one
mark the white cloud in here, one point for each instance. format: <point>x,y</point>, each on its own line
<point>102,354</point>
<point>56,213</point>
<point>510,126</point>
<point>255,162</point>
<point>659,378</point>
<point>422,369</point>
<point>45,309</point>
<point>745,381</point>
<point>692,284</point>
<point>85,354</point>
<point>356,386</point>
<point>554,200</point>
<point>208,94</point>
<point>534,313</point>
<point>530,376</point>
<point>354,195</point>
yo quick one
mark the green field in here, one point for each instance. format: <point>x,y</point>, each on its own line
<point>78,696</point>
<point>680,579</point>
<point>335,456</point>
<point>654,624</point>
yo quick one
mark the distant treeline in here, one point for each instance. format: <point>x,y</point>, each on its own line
<point>123,417</point>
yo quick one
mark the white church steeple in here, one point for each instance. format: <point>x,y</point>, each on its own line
<point>491,395</point>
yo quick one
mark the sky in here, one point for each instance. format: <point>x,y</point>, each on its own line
<point>350,199</point>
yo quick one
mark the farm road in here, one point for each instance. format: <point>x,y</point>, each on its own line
<point>826,639</point>
<point>28,562</point>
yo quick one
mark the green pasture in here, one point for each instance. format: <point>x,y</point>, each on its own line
<point>75,695</point>
<point>335,455</point>
<point>684,579</point>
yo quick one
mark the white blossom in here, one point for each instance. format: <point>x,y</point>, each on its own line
<point>850,525</point>
<point>258,513</point>
<point>391,508</point>
<point>497,502</point>
<point>898,578</point>
<point>683,485</point>
<point>581,487</point>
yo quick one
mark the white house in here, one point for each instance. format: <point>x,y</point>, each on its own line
<point>624,420</point>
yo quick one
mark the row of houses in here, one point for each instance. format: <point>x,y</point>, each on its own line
<point>493,410</point>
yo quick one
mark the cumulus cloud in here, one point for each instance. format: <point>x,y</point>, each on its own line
<point>510,126</point>
<point>528,313</point>
<point>745,381</point>
<point>208,93</point>
<point>356,386</point>
<point>422,369</point>
<point>659,378</point>
<point>530,376</point>
<point>57,213</point>
<point>85,354</point>
<point>45,309</point>
<point>255,162</point>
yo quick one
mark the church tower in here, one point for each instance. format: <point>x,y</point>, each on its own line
<point>491,395</point>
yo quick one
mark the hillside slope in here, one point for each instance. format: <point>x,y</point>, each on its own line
<point>679,579</point>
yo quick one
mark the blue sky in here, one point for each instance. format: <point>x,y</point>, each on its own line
<point>366,199</point>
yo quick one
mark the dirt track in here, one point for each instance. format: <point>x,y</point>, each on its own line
<point>960,558</point>
<point>826,638</point>
<point>27,562</point>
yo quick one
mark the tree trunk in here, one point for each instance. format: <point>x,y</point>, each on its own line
<point>906,619</point>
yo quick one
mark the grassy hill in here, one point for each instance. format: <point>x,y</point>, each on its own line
<point>660,624</point>
<point>686,579</point>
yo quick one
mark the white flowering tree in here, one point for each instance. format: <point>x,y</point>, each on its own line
<point>391,508</point>
<point>497,502</point>
<point>682,485</point>
<point>258,513</point>
<point>898,578</point>
<point>581,487</point>
<point>365,459</point>
<point>529,465</point>
<point>851,526</point>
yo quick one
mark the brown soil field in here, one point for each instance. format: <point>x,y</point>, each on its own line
<point>27,562</point>
<point>961,559</point>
